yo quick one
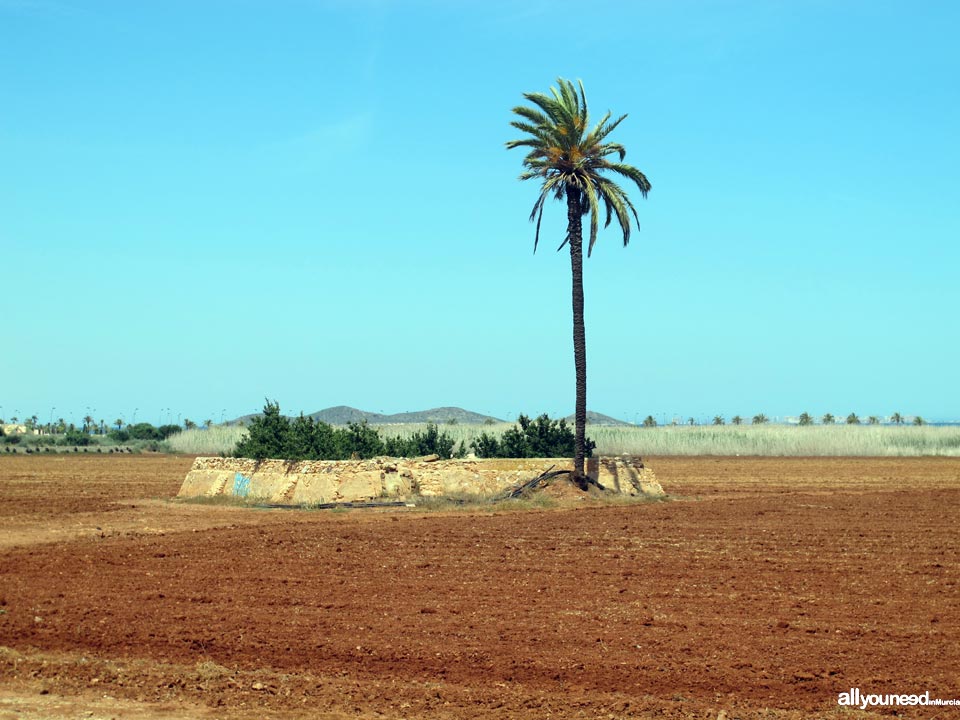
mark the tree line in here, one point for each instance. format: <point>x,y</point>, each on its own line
<point>805,419</point>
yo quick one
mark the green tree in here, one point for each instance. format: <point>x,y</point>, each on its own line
<point>760,419</point>
<point>207,424</point>
<point>805,419</point>
<point>737,420</point>
<point>119,423</point>
<point>691,421</point>
<point>87,423</point>
<point>649,422</point>
<point>828,419</point>
<point>853,419</point>
<point>896,418</point>
<point>268,436</point>
<point>569,160</point>
<point>919,421</point>
<point>542,437</point>
<point>718,420</point>
<point>873,420</point>
<point>189,424</point>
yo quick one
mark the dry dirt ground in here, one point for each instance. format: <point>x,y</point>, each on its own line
<point>764,589</point>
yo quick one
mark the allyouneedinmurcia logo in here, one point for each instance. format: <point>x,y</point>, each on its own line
<point>854,698</point>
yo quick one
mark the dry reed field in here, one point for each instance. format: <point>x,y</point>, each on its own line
<point>726,440</point>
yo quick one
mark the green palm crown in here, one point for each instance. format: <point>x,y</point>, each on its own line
<point>568,158</point>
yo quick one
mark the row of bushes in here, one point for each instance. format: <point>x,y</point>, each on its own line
<point>538,438</point>
<point>271,435</point>
<point>144,431</point>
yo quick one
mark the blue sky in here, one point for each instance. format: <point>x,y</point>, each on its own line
<point>205,203</point>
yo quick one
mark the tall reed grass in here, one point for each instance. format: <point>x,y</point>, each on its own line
<point>214,440</point>
<point>725,440</point>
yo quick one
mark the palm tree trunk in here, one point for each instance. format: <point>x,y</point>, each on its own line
<point>575,238</point>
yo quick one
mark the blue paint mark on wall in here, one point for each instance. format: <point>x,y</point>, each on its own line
<point>241,485</point>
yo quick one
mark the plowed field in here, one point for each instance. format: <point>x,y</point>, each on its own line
<point>763,590</point>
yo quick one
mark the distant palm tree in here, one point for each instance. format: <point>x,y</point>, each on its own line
<point>718,420</point>
<point>691,422</point>
<point>919,421</point>
<point>87,423</point>
<point>119,423</point>
<point>873,420</point>
<point>568,159</point>
<point>649,422</point>
<point>852,419</point>
<point>760,419</point>
<point>189,424</point>
<point>805,419</point>
<point>828,419</point>
<point>737,420</point>
<point>896,418</point>
<point>207,424</point>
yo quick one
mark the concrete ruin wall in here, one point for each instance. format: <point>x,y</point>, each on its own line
<point>324,481</point>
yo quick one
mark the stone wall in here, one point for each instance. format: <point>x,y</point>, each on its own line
<point>323,481</point>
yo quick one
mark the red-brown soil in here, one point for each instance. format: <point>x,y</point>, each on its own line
<point>768,587</point>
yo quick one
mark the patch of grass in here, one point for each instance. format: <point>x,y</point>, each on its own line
<point>223,500</point>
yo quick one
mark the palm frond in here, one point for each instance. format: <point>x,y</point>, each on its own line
<point>601,131</point>
<point>571,160</point>
<point>631,172</point>
<point>616,199</point>
<point>591,194</point>
<point>537,118</point>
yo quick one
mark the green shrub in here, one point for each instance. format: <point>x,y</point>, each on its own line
<point>268,436</point>
<point>165,431</point>
<point>120,436</point>
<point>542,437</point>
<point>429,442</point>
<point>75,437</point>
<point>143,431</point>
<point>271,435</point>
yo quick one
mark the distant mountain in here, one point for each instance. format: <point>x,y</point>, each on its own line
<point>436,415</point>
<point>595,418</point>
<point>343,414</point>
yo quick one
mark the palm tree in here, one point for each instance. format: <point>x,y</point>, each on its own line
<point>649,422</point>
<point>919,421</point>
<point>718,420</point>
<point>827,419</point>
<point>760,419</point>
<point>805,419</point>
<point>853,419</point>
<point>208,423</point>
<point>119,423</point>
<point>897,418</point>
<point>691,422</point>
<point>737,420</point>
<point>87,422</point>
<point>568,159</point>
<point>873,420</point>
